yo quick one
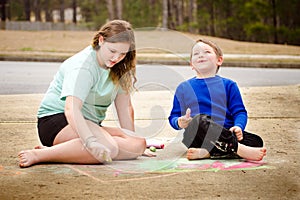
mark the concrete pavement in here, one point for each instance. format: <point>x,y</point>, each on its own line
<point>273,114</point>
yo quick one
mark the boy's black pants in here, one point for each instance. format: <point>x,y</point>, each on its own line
<point>203,132</point>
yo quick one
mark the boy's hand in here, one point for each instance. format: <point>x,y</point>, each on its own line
<point>238,132</point>
<point>184,121</point>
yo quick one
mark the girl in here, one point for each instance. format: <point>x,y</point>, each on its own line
<point>210,109</point>
<point>70,114</point>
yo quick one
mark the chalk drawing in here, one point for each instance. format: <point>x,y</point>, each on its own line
<point>183,164</point>
<point>146,169</point>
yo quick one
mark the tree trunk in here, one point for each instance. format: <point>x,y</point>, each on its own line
<point>212,19</point>
<point>152,7</point>
<point>274,13</point>
<point>37,10</point>
<point>62,10</point>
<point>192,14</point>
<point>8,11</point>
<point>48,11</point>
<point>110,8</point>
<point>195,14</point>
<point>119,7</point>
<point>170,22</point>
<point>3,10</point>
<point>74,6</point>
<point>179,12</point>
<point>165,15</point>
<point>27,9</point>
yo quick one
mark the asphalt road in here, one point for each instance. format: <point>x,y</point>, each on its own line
<point>34,77</point>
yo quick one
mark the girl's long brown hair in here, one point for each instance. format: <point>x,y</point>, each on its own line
<point>122,73</point>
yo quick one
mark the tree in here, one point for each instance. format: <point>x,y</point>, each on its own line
<point>27,9</point>
<point>179,12</point>
<point>110,9</point>
<point>74,6</point>
<point>165,14</point>
<point>48,10</point>
<point>274,14</point>
<point>212,18</point>
<point>115,9</point>
<point>3,10</point>
<point>119,9</point>
<point>192,15</point>
<point>37,10</point>
<point>62,10</point>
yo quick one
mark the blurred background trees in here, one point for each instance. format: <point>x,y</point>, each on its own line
<point>269,21</point>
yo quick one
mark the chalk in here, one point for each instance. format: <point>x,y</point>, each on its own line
<point>156,145</point>
<point>152,148</point>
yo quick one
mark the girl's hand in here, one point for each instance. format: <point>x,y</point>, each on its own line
<point>184,121</point>
<point>99,151</point>
<point>238,132</point>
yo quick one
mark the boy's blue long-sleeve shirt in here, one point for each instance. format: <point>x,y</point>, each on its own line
<point>217,97</point>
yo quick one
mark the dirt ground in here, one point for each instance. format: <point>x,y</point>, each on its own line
<point>273,114</point>
<point>150,45</point>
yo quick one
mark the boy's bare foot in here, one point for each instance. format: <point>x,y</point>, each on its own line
<point>251,153</point>
<point>197,153</point>
<point>27,158</point>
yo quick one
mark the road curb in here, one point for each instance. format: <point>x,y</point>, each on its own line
<point>162,61</point>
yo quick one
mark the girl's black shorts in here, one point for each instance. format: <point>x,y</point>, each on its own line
<point>49,127</point>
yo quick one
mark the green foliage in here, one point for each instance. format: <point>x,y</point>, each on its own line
<point>287,36</point>
<point>258,32</point>
<point>142,13</point>
<point>94,13</point>
<point>16,10</point>
<point>183,27</point>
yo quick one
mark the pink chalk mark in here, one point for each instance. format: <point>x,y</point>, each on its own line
<point>218,165</point>
<point>221,166</point>
<point>189,166</point>
<point>243,165</point>
<point>205,166</point>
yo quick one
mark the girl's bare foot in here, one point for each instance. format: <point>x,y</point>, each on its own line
<point>197,153</point>
<point>27,158</point>
<point>251,153</point>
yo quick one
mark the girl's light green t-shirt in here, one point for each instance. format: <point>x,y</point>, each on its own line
<point>82,77</point>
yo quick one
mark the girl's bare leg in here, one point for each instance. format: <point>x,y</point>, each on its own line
<point>130,146</point>
<point>101,134</point>
<point>197,153</point>
<point>67,148</point>
<point>71,151</point>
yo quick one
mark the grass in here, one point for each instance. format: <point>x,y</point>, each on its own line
<point>150,44</point>
<point>26,49</point>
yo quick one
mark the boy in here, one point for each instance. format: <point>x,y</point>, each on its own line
<point>210,109</point>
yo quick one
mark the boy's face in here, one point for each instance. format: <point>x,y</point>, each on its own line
<point>204,59</point>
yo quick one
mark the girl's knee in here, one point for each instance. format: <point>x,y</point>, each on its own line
<point>141,145</point>
<point>144,143</point>
<point>114,150</point>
